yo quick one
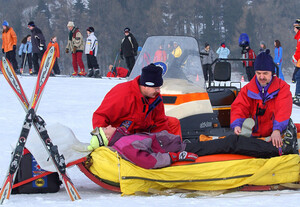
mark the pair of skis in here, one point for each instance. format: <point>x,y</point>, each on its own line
<point>39,124</point>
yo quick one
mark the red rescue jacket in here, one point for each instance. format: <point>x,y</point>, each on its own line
<point>270,113</point>
<point>297,52</point>
<point>124,105</point>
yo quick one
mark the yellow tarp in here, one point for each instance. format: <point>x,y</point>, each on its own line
<point>199,176</point>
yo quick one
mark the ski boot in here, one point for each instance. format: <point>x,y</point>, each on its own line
<point>97,73</point>
<point>247,127</point>
<point>90,72</point>
<point>74,74</point>
<point>17,71</point>
<point>290,142</point>
<point>21,71</point>
<point>30,71</point>
<point>296,99</point>
<point>82,72</point>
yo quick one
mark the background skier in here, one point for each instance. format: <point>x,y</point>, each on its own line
<point>38,46</point>
<point>278,57</point>
<point>129,48</point>
<point>91,48</point>
<point>296,61</point>
<point>53,42</point>
<point>223,51</point>
<point>9,45</point>
<point>75,45</point>
<point>25,51</point>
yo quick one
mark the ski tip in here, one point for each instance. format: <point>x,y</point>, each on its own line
<point>71,190</point>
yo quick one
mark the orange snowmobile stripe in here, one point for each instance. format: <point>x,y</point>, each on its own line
<point>184,98</point>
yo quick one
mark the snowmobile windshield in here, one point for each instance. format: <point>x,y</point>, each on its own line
<point>180,59</point>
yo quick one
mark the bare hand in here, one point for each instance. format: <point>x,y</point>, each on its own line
<point>237,130</point>
<point>276,139</point>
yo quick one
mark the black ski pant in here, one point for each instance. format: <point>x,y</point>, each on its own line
<point>35,59</point>
<point>92,62</point>
<point>11,56</point>
<point>207,70</point>
<point>130,63</point>
<point>234,144</point>
<point>26,57</point>
<point>56,67</point>
<point>250,72</point>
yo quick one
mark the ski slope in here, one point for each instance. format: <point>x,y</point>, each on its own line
<point>72,101</point>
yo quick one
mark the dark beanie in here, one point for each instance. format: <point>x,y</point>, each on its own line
<point>31,23</point>
<point>90,29</point>
<point>264,62</point>
<point>151,76</point>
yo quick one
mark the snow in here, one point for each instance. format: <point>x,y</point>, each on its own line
<point>72,101</point>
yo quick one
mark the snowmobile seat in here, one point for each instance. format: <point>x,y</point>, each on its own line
<point>222,71</point>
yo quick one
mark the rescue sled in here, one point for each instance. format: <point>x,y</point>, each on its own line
<point>214,172</point>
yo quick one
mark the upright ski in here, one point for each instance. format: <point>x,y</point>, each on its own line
<point>39,124</point>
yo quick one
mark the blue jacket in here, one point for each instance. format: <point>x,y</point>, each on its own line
<point>25,48</point>
<point>223,52</point>
<point>278,55</point>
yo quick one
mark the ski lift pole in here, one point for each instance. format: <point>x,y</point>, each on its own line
<point>24,62</point>
<point>116,58</point>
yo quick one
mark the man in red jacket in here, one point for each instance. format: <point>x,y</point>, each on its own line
<point>117,72</point>
<point>137,105</point>
<point>266,99</point>
<point>296,61</point>
<point>249,54</point>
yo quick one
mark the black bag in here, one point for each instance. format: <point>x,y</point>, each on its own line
<point>29,168</point>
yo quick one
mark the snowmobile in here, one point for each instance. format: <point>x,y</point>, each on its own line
<point>202,109</point>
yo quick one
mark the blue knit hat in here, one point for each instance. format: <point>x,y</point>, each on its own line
<point>5,23</point>
<point>264,62</point>
<point>151,76</point>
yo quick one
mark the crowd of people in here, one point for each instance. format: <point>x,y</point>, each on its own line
<point>208,57</point>
<point>33,46</point>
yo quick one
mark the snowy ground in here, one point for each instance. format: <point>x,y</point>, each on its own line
<point>72,101</point>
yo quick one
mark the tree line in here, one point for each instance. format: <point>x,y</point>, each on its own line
<point>212,21</point>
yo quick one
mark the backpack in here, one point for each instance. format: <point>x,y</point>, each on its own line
<point>29,168</point>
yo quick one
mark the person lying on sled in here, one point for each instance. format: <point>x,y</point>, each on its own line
<point>266,99</point>
<point>137,105</point>
<point>161,149</point>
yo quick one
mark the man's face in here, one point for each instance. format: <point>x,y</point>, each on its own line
<point>150,92</point>
<point>70,28</point>
<point>263,77</point>
<point>126,33</point>
<point>296,30</point>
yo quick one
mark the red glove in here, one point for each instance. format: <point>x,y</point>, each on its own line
<point>91,52</point>
<point>182,156</point>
